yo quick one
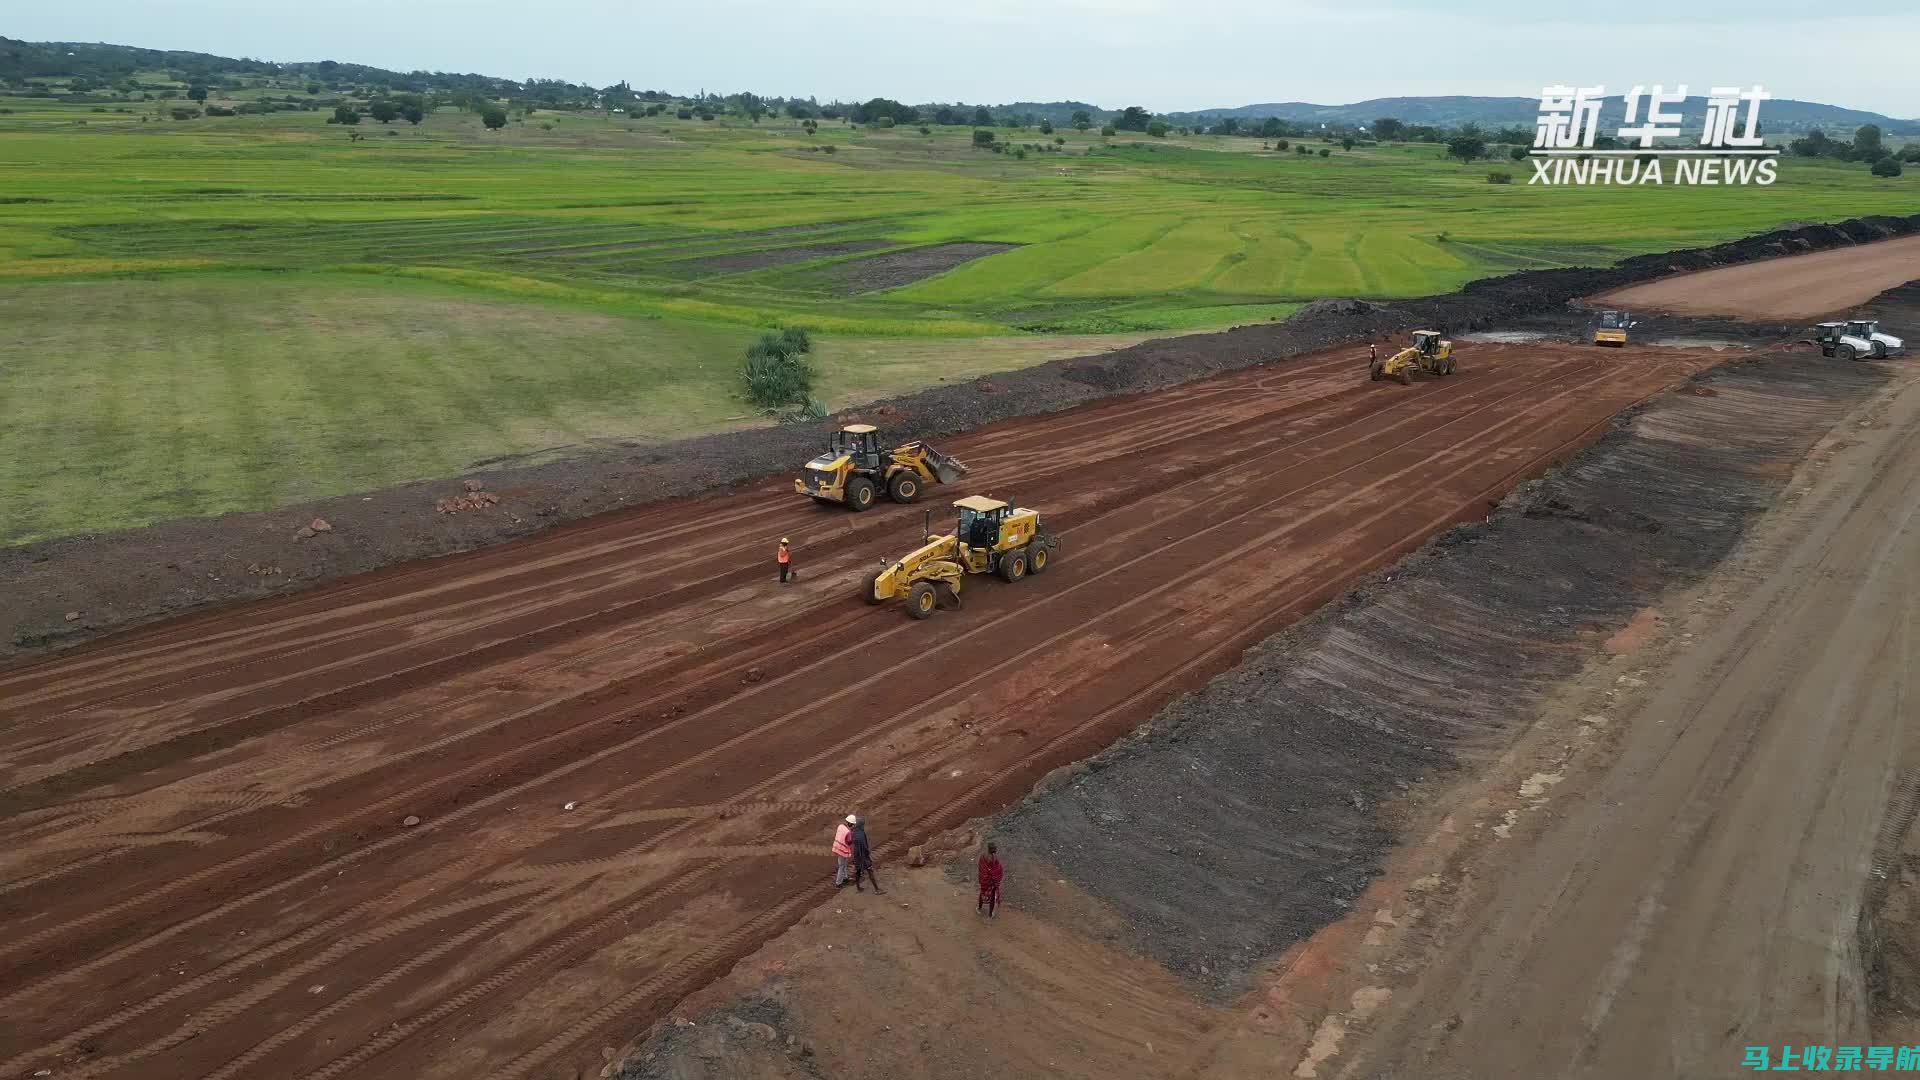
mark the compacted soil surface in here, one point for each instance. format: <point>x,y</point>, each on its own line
<point>481,816</point>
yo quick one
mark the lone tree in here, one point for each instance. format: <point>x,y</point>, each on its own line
<point>1866,143</point>
<point>1467,146</point>
<point>1081,120</point>
<point>198,92</point>
<point>1887,166</point>
<point>1346,142</point>
<point>345,114</point>
<point>1388,128</point>
<point>383,110</point>
<point>413,114</point>
<point>1133,118</point>
<point>494,117</point>
<point>1159,128</point>
<point>982,138</point>
<point>1046,127</point>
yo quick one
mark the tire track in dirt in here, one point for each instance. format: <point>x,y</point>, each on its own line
<point>1304,470</point>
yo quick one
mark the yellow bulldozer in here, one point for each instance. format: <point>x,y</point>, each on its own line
<point>855,470</point>
<point>989,538</point>
<point>1612,329</point>
<point>1429,352</point>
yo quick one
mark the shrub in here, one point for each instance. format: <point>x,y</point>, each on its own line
<point>1303,149</point>
<point>829,149</point>
<point>1159,128</point>
<point>925,130</point>
<point>1107,130</point>
<point>1911,153</point>
<point>185,114</point>
<point>1325,151</point>
<point>1281,145</point>
<point>776,371</point>
<point>1887,166</point>
<point>1059,140</point>
<point>212,110</point>
<point>684,114</point>
<point>494,117</point>
<point>1518,153</point>
<point>811,411</point>
<point>982,138</point>
<point>1499,177</point>
<point>1020,152</point>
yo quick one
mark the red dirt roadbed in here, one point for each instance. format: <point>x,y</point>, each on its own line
<point>205,869</point>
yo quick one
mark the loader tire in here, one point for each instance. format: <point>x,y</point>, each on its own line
<point>1879,350</point>
<point>904,487</point>
<point>922,600</point>
<point>1844,351</point>
<point>1013,565</point>
<point>1037,559</point>
<point>1375,371</point>
<point>859,493</point>
<point>1406,375</point>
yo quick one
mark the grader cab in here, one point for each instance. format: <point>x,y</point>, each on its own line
<point>989,537</point>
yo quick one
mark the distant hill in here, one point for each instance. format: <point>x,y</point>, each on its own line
<point>104,67</point>
<point>1778,116</point>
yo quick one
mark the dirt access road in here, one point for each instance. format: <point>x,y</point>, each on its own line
<point>1806,287</point>
<point>492,814</point>
<point>1703,894</point>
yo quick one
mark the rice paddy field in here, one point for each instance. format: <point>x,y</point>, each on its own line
<point>241,312</point>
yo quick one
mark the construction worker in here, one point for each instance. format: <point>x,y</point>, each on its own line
<point>862,857</point>
<point>843,850</point>
<point>785,557</point>
<point>990,875</point>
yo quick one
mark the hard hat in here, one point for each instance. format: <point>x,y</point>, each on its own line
<point>783,539</point>
<point>851,820</point>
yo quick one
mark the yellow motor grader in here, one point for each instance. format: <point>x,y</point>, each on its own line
<point>1429,352</point>
<point>855,470</point>
<point>989,538</point>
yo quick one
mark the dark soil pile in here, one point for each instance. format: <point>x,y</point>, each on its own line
<point>1245,818</point>
<point>126,578</point>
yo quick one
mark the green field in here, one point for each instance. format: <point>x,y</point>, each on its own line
<point>234,313</point>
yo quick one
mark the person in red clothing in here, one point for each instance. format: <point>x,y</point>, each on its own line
<point>785,557</point>
<point>990,874</point>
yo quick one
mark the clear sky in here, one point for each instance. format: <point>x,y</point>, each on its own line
<point>1168,55</point>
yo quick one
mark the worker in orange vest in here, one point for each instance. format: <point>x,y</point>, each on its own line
<point>786,560</point>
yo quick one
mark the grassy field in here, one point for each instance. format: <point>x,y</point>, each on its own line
<point>233,313</point>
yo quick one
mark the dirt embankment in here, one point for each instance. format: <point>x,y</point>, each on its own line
<point>1814,287</point>
<point>64,591</point>
<point>1260,810</point>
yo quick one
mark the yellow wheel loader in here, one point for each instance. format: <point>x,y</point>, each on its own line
<point>855,470</point>
<point>1429,352</point>
<point>1613,328</point>
<point>989,538</point>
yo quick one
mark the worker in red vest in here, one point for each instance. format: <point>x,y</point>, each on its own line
<point>990,875</point>
<point>785,556</point>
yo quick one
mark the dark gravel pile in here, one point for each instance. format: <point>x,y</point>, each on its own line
<point>1245,817</point>
<point>119,579</point>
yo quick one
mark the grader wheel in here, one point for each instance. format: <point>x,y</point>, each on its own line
<point>1013,565</point>
<point>922,600</point>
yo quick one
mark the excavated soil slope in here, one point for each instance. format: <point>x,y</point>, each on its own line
<point>487,815</point>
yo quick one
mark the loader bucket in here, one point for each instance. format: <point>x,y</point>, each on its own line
<point>946,469</point>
